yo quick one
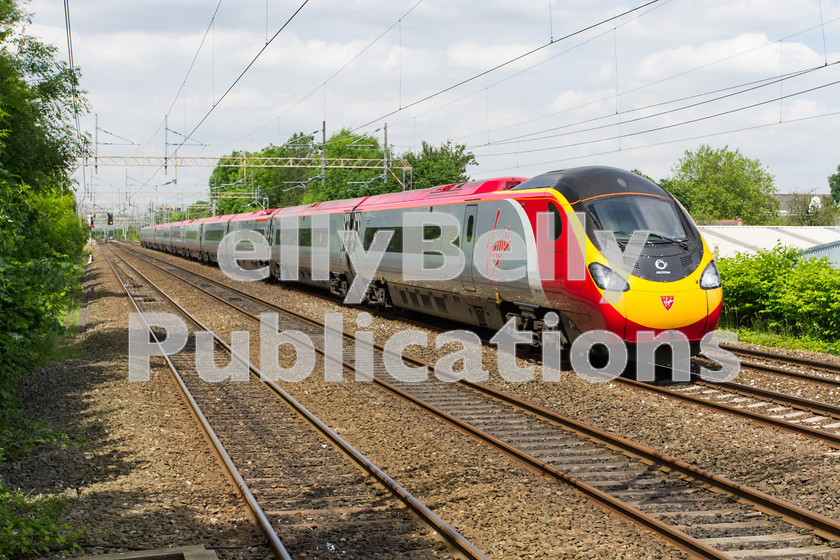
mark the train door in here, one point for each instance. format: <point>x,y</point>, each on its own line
<point>553,264</point>
<point>468,235</point>
<point>349,225</point>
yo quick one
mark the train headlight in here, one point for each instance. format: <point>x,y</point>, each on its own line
<point>606,279</point>
<point>710,279</point>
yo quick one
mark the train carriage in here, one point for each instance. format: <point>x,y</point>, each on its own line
<point>191,245</point>
<point>568,235</point>
<point>257,221</point>
<point>147,236</point>
<point>318,226</point>
<point>162,235</point>
<point>212,231</point>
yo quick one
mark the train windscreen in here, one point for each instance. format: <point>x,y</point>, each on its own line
<point>624,214</point>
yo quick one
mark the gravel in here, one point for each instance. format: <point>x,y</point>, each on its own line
<point>787,466</point>
<point>503,508</point>
<point>784,465</point>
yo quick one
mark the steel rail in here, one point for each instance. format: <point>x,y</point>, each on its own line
<point>672,534</point>
<point>458,541</point>
<point>313,292</point>
<point>816,364</point>
<point>669,533</point>
<point>747,351</point>
<point>831,382</point>
<point>258,513</point>
<point>829,438</point>
<point>799,403</point>
<point>825,527</point>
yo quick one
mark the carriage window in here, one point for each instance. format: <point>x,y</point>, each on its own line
<point>304,237</point>
<point>470,229</point>
<point>431,232</point>
<point>369,233</point>
<point>214,234</point>
<point>395,245</point>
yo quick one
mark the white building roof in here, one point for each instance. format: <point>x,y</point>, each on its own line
<point>829,250</point>
<point>725,241</point>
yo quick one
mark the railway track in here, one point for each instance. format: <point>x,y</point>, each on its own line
<point>808,418</point>
<point>301,481</point>
<point>699,512</point>
<point>798,360</point>
<point>821,372</point>
<point>812,419</point>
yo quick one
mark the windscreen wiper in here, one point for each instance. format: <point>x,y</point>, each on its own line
<point>682,242</point>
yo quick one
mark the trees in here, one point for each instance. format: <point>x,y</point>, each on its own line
<point>807,209</point>
<point>290,186</point>
<point>277,183</point>
<point>834,184</point>
<point>439,165</point>
<point>41,238</point>
<point>723,184</point>
<point>349,182</point>
<point>38,143</point>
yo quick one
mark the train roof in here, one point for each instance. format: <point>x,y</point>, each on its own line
<point>404,199</point>
<point>218,219</point>
<point>257,215</point>
<point>328,206</point>
<point>579,184</point>
<point>443,192</point>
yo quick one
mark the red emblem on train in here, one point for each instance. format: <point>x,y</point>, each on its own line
<point>667,301</point>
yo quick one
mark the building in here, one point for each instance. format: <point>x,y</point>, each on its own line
<point>726,241</point>
<point>830,250</point>
<point>786,201</point>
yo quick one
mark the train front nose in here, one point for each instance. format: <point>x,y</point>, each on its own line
<point>664,308</point>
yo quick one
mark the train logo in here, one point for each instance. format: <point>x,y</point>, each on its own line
<point>667,301</point>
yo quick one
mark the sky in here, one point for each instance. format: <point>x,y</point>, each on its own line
<point>528,86</point>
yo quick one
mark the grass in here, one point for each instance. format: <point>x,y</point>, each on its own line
<point>767,336</point>
<point>30,525</point>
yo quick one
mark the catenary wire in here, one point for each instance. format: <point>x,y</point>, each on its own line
<point>668,126</point>
<point>503,64</point>
<point>749,87</point>
<point>625,92</point>
<point>494,172</point>
<point>334,74</point>
<point>236,81</point>
<point>189,70</point>
<point>531,67</point>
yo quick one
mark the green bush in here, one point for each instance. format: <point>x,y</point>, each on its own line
<point>779,291</point>
<point>749,280</point>
<point>41,248</point>
<point>807,300</point>
<point>31,526</point>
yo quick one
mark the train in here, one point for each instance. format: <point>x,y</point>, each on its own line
<point>569,233</point>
